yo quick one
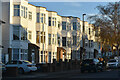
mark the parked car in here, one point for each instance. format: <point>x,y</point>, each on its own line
<point>22,65</point>
<point>91,65</point>
<point>2,67</point>
<point>118,58</point>
<point>112,63</point>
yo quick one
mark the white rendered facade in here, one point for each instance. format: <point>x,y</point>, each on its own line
<point>72,33</point>
<point>27,23</point>
<point>52,35</point>
<point>42,31</point>
<point>15,38</point>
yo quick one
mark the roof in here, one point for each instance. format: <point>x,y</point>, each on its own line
<point>52,11</point>
<point>70,17</point>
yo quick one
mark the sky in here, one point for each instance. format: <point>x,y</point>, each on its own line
<point>75,9</point>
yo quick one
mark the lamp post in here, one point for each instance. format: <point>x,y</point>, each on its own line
<point>83,23</point>
<point>83,53</point>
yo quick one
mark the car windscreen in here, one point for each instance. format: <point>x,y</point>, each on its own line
<point>88,61</point>
<point>112,61</point>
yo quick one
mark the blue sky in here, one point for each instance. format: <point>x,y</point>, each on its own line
<point>71,8</point>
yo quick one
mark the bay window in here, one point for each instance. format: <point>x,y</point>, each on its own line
<point>74,26</point>
<point>63,41</point>
<point>74,40</point>
<point>49,21</point>
<point>53,39</point>
<point>49,39</point>
<point>15,54</point>
<point>24,54</point>
<point>16,10</point>
<point>38,17</point>
<point>30,15</point>
<point>63,25</point>
<point>29,34</point>
<point>22,9</point>
<point>41,56</point>
<point>38,37</point>
<point>43,18</point>
<point>23,33</point>
<point>16,32</point>
<point>53,21</point>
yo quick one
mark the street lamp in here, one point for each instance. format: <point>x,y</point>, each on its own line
<point>83,23</point>
<point>83,53</point>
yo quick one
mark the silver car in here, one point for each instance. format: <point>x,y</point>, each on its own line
<point>22,65</point>
<point>112,63</point>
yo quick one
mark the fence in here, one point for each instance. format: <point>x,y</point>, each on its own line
<point>59,66</point>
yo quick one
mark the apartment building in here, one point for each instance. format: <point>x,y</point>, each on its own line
<point>54,35</point>
<point>42,33</point>
<point>33,33</point>
<point>71,36</point>
<point>20,30</point>
<point>89,41</point>
<point>40,36</point>
<point>91,45</point>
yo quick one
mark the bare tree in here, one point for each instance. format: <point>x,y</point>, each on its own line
<point>107,22</point>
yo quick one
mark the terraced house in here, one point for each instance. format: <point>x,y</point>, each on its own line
<point>71,36</point>
<point>35,34</point>
<point>19,34</point>
<point>91,49</point>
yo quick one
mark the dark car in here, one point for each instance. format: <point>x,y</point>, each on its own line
<point>91,65</point>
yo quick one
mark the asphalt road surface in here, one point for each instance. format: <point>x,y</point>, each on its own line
<point>71,75</point>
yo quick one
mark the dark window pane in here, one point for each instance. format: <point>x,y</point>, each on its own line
<point>49,21</point>
<point>16,34</point>
<point>63,41</point>
<point>74,26</point>
<point>63,25</point>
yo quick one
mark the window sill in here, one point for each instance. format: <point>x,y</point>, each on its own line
<point>16,16</point>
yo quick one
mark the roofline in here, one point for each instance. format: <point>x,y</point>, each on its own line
<point>37,6</point>
<point>70,16</point>
<point>52,11</point>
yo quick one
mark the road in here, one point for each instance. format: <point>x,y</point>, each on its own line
<point>71,75</point>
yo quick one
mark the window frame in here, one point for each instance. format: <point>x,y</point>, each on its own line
<point>64,24</point>
<point>16,9</point>
<point>38,18</point>
<point>74,25</point>
<point>18,31</point>
<point>30,15</point>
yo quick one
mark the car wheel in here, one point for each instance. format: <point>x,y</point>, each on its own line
<point>20,71</point>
